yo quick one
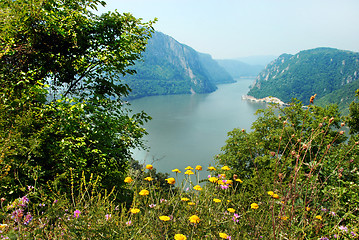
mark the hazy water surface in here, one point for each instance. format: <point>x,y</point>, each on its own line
<point>191,129</point>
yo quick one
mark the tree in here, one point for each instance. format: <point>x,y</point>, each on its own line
<point>61,109</point>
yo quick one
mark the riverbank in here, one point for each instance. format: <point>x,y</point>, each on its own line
<point>269,99</point>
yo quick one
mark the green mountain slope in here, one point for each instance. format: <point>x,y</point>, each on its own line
<point>330,73</point>
<point>169,67</point>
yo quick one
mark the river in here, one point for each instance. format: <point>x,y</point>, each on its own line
<point>191,129</point>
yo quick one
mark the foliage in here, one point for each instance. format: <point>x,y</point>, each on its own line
<point>330,73</point>
<point>61,106</point>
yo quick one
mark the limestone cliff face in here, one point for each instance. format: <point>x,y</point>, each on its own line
<point>169,67</point>
<point>330,73</point>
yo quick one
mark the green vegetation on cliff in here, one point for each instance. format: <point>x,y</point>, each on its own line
<point>169,67</point>
<point>332,74</point>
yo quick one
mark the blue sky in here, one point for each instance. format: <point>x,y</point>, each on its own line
<point>239,28</point>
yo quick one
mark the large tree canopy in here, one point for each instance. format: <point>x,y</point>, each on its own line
<point>61,111</point>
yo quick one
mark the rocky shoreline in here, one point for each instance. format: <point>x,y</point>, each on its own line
<point>266,99</point>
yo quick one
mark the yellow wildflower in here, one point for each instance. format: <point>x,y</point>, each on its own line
<point>212,168</point>
<point>198,168</point>
<point>191,203</point>
<point>239,180</point>
<point>229,182</point>
<point>197,187</point>
<point>223,235</point>
<point>144,192</point>
<point>180,237</point>
<point>307,209</point>
<point>194,219</point>
<point>134,210</point>
<point>128,180</point>
<point>184,199</point>
<point>189,168</point>
<point>217,200</point>
<point>254,206</point>
<point>176,170</point>
<point>318,217</point>
<point>189,172</point>
<point>284,218</point>
<point>148,179</point>
<point>213,179</point>
<point>149,166</point>
<point>276,196</point>
<point>270,193</point>
<point>164,218</point>
<point>220,182</point>
<point>225,168</point>
<point>170,180</point>
<point>231,210</point>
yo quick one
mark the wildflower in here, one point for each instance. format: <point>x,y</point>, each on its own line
<point>353,233</point>
<point>134,210</point>
<point>77,213</point>
<point>198,168</point>
<point>144,192</point>
<point>189,168</point>
<point>221,182</point>
<point>231,210</point>
<point>180,237</point>
<point>213,179</point>
<point>194,219</point>
<point>2,226</point>
<point>191,203</point>
<point>318,217</point>
<point>222,175</point>
<point>152,205</point>
<point>149,166</point>
<point>27,218</point>
<point>284,218</point>
<point>229,182</point>
<point>171,180</point>
<point>108,216</point>
<point>223,235</point>
<point>197,187</point>
<point>332,213</point>
<point>164,218</point>
<point>163,200</point>
<point>176,170</point>
<point>307,209</point>
<point>225,168</point>
<point>311,100</point>
<point>239,180</point>
<point>335,236</point>
<point>217,200</point>
<point>323,238</point>
<point>128,180</point>
<point>254,206</point>
<point>224,187</point>
<point>30,188</point>
<point>276,196</point>
<point>129,223</point>
<point>184,199</point>
<point>189,172</point>
<point>212,168</point>
<point>324,210</point>
<point>343,228</point>
<point>148,179</point>
<point>270,193</point>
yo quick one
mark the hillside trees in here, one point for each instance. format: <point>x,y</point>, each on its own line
<point>61,111</point>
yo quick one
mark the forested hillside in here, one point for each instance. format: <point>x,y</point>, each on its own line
<point>332,74</point>
<point>169,67</point>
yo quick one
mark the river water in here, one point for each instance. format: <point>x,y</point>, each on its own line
<point>191,129</point>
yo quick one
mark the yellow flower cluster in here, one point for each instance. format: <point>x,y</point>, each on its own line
<point>194,219</point>
<point>170,180</point>
<point>144,192</point>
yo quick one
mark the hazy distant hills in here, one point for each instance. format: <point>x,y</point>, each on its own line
<point>330,73</point>
<point>238,69</point>
<point>169,67</point>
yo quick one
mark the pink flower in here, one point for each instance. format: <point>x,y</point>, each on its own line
<point>77,213</point>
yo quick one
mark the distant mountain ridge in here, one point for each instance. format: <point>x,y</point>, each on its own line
<point>238,69</point>
<point>169,67</point>
<point>322,71</point>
